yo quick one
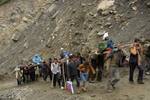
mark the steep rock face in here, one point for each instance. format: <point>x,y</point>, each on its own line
<point>29,27</point>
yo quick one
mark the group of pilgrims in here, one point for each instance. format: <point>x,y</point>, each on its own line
<point>105,62</point>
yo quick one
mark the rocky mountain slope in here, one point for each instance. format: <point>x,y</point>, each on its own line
<point>44,26</point>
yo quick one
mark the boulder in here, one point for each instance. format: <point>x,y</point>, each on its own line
<point>134,8</point>
<point>74,11</point>
<point>78,33</point>
<point>26,45</point>
<point>93,95</point>
<point>90,27</point>
<point>91,14</point>
<point>90,4</point>
<point>83,4</point>
<point>148,4</point>
<point>25,19</point>
<point>48,44</point>
<point>76,43</point>
<point>105,4</point>
<point>15,37</point>
<point>108,24</point>
<point>113,12</point>
<point>105,13</point>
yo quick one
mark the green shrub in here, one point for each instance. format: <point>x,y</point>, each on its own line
<point>3,2</point>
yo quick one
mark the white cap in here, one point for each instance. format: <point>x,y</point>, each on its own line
<point>105,35</point>
<point>61,48</point>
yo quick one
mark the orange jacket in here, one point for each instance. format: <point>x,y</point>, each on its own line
<point>87,69</point>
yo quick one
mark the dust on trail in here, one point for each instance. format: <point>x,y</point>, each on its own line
<point>96,91</point>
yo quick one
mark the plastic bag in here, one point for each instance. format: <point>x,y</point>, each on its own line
<point>69,87</point>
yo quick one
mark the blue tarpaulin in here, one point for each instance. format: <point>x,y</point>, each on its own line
<point>37,59</point>
<point>66,53</point>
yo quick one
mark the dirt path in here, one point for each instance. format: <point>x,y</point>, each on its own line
<point>42,91</point>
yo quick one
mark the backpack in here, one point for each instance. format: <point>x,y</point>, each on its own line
<point>102,46</point>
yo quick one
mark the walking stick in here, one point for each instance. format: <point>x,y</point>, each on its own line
<point>63,70</point>
<point>96,76</point>
<point>52,80</point>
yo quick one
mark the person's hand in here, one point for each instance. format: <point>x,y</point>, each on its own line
<point>94,72</point>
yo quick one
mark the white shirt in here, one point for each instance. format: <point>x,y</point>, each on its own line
<point>18,73</point>
<point>55,68</point>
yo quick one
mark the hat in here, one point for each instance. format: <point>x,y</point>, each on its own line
<point>105,35</point>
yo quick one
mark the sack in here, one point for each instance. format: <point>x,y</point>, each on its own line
<point>102,46</point>
<point>69,87</point>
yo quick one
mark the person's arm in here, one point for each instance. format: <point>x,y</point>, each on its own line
<point>68,70</point>
<point>91,69</point>
<point>52,67</point>
<point>59,69</point>
<point>79,67</point>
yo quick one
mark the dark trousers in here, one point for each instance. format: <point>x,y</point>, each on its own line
<point>100,73</point>
<point>131,74</point>
<point>26,78</point>
<point>50,76</point>
<point>32,76</point>
<point>45,75</point>
<point>56,79</point>
<point>19,81</point>
<point>75,77</point>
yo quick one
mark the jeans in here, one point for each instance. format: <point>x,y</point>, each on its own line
<point>84,76</point>
<point>32,76</point>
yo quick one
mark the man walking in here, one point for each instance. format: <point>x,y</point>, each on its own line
<point>56,71</point>
<point>114,75</point>
<point>136,61</point>
<point>72,71</point>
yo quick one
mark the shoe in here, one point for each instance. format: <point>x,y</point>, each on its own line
<point>131,82</point>
<point>113,86</point>
<point>147,73</point>
<point>91,81</point>
<point>78,92</point>
<point>140,82</point>
<point>62,88</point>
<point>84,89</point>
